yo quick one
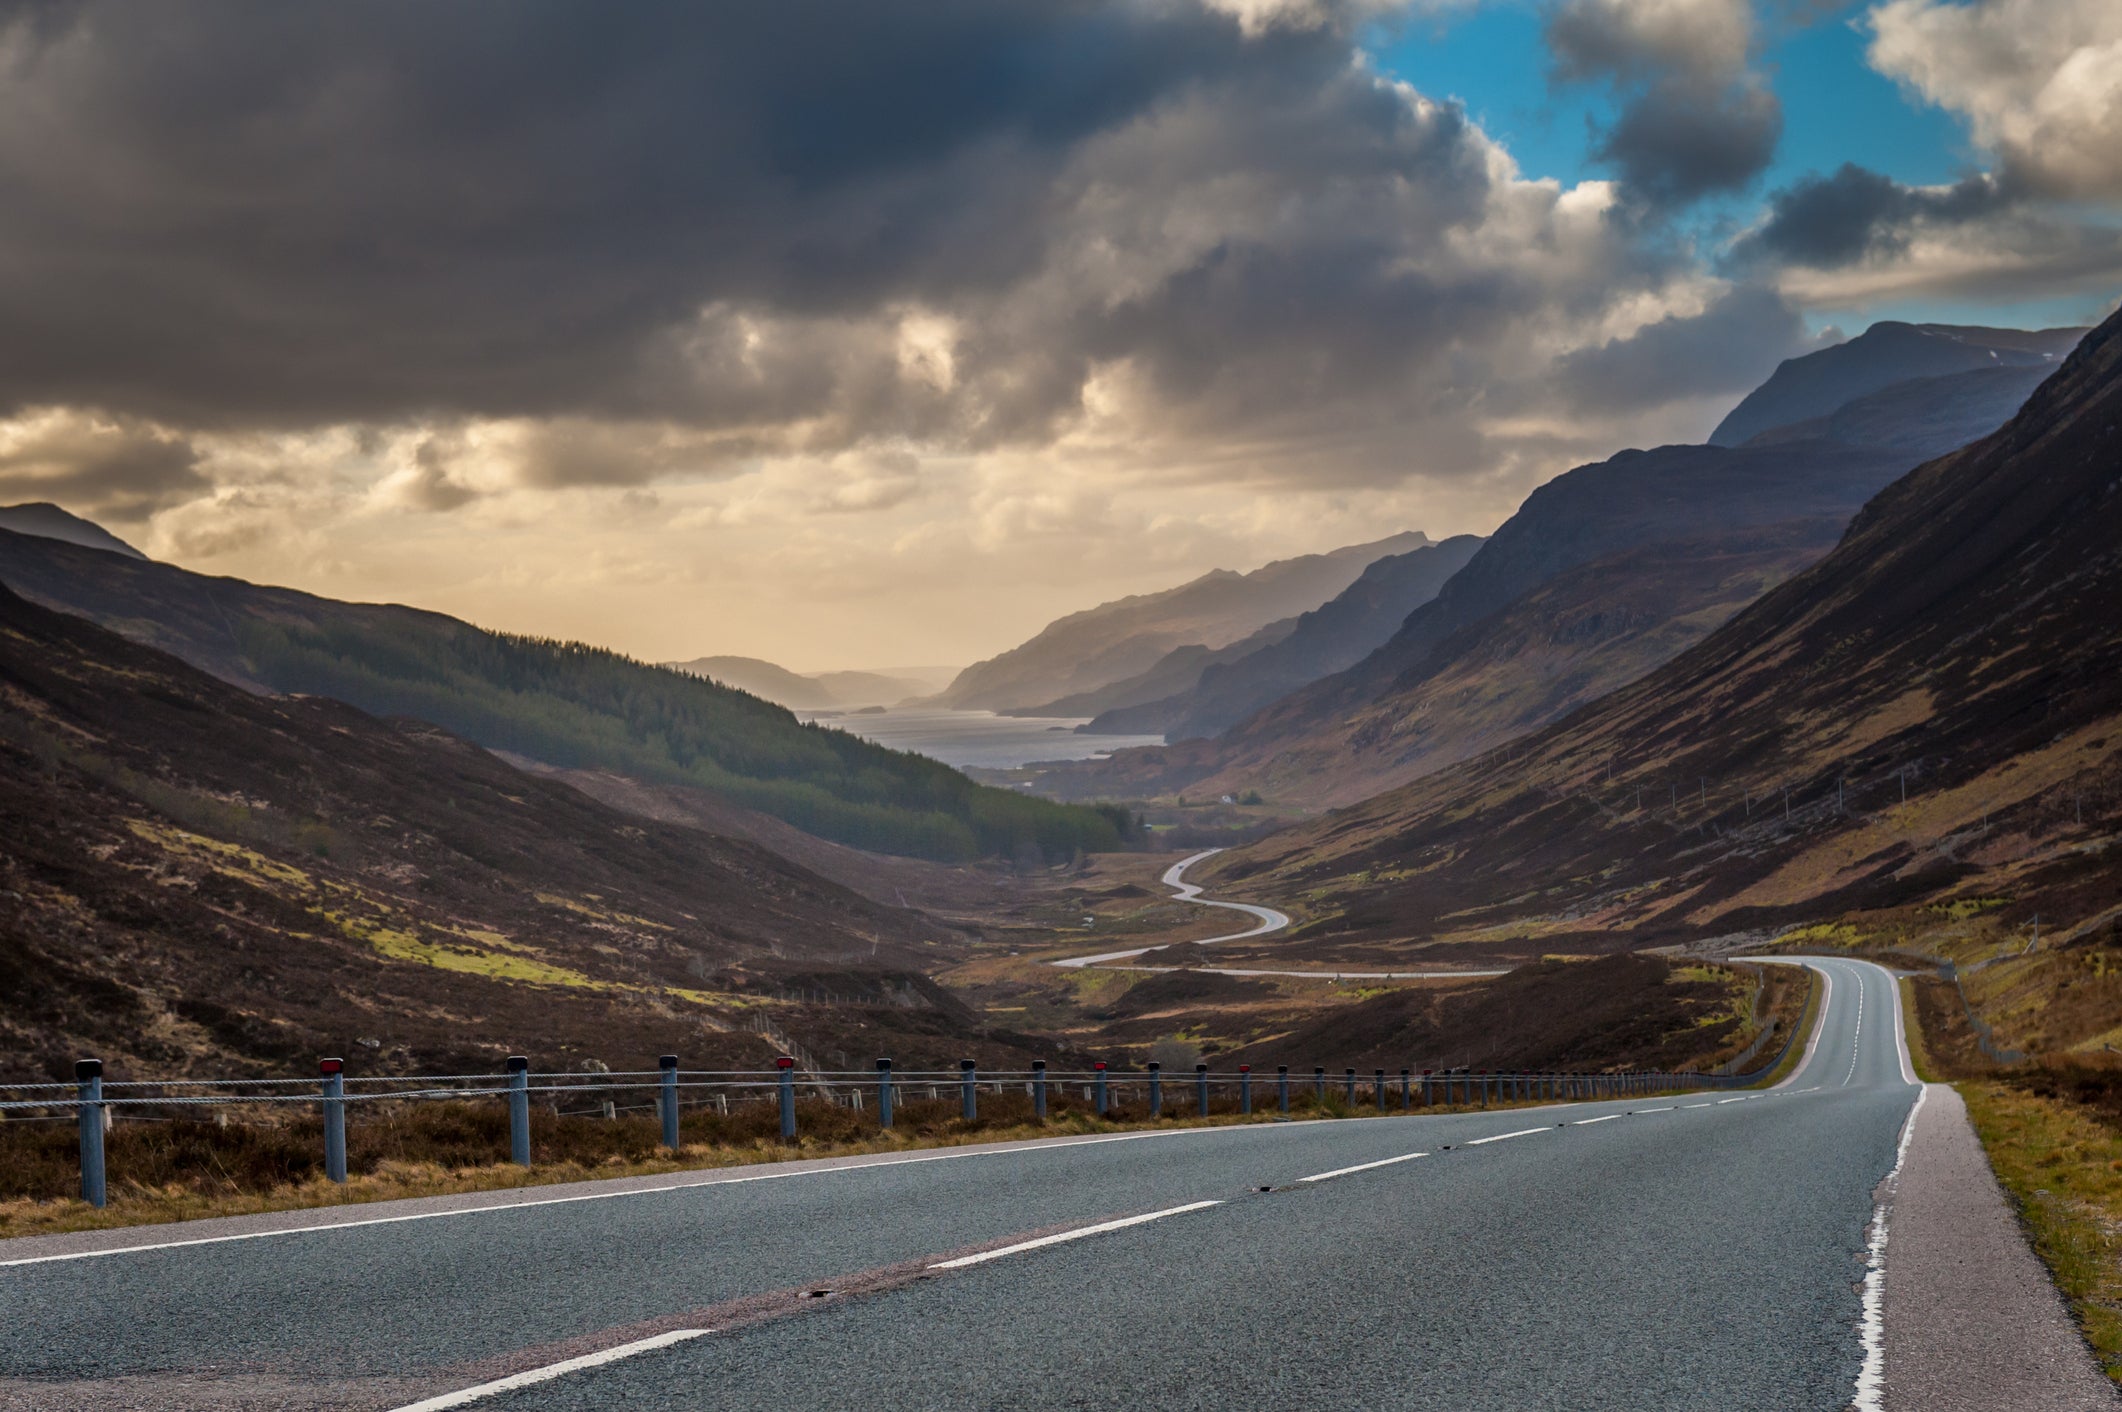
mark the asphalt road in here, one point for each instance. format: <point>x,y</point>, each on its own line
<point>1266,919</point>
<point>1662,1253</point>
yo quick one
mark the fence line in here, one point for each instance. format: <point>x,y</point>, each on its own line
<point>93,1102</point>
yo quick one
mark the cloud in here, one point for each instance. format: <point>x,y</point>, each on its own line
<point>1828,221</point>
<point>1693,119</point>
<point>1727,348</point>
<point>115,467</point>
<point>2039,82</point>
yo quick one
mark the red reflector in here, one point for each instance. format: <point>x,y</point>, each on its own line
<point>330,1066</point>
<point>784,1062</point>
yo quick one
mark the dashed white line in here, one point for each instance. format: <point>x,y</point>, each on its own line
<point>1043,1241</point>
<point>1666,1109</point>
<point>1362,1167</point>
<point>1699,1105</point>
<point>1501,1137</point>
<point>1722,1101</point>
<point>551,1371</point>
<point>1586,1122</point>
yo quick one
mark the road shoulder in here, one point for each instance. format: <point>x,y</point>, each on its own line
<point>1972,1320</point>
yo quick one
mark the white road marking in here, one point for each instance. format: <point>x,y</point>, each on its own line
<point>1701,1105</point>
<point>1722,1101</point>
<point>1585,1122</point>
<point>1871,1329</point>
<point>1043,1241</point>
<point>551,1371</point>
<point>1270,920</point>
<point>1667,1109</point>
<point>1857,1036</point>
<point>1362,1167</point>
<point>708,1180</point>
<point>1502,1137</point>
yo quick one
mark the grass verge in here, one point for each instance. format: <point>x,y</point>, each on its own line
<point>1795,1055</point>
<point>2058,1159</point>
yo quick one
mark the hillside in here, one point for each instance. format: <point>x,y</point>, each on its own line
<point>1888,352</point>
<point>566,704</point>
<point>195,876</point>
<point>1334,636</point>
<point>1925,724</point>
<point>1117,640</point>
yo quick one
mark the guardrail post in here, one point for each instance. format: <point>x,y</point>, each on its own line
<point>787,1066</point>
<point>1156,1089</point>
<point>1282,1086</point>
<point>1099,1068</point>
<point>1378,1090</point>
<point>1319,1084</point>
<point>667,1099</point>
<point>334,1086</point>
<point>1039,1089</point>
<point>1425,1088</point>
<point>1350,1095</point>
<point>1201,1089</point>
<point>969,1089</point>
<point>884,1093</point>
<point>519,1110</point>
<point>1245,1088</point>
<point>1407,1099</point>
<point>88,1113</point>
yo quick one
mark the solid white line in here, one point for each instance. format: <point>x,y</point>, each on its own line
<point>1043,1241</point>
<point>551,1371</point>
<point>1362,1167</point>
<point>705,1181</point>
<point>1871,1329</point>
<point>1585,1122</point>
<point>1503,1137</point>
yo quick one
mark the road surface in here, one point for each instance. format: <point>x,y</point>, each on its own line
<point>1699,1252</point>
<point>1266,919</point>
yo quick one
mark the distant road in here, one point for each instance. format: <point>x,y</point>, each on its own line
<point>1655,1254</point>
<point>1270,921</point>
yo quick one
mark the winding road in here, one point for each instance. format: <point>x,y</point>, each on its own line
<point>1707,1251</point>
<point>1269,920</point>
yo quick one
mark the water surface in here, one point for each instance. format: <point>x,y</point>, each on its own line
<point>979,739</point>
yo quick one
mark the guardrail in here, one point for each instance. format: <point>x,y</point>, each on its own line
<point>92,1101</point>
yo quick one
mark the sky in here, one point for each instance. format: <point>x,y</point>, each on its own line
<point>865,336</point>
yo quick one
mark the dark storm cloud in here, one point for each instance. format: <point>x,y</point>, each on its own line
<point>299,212</point>
<point>1826,221</point>
<point>1676,142</point>
<point>1692,119</point>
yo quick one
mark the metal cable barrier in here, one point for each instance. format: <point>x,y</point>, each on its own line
<point>882,1096</point>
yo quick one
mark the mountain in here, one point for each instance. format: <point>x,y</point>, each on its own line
<point>819,691</point>
<point>1482,662</point>
<point>1331,637</point>
<point>192,874</point>
<point>885,688</point>
<point>763,680</point>
<point>1127,636</point>
<point>1175,673</point>
<point>1888,352</point>
<point>565,704</point>
<point>1926,723</point>
<point>47,521</point>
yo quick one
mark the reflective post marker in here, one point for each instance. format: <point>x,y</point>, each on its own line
<point>968,1089</point>
<point>1201,1089</point>
<point>1245,1088</point>
<point>334,1085</point>
<point>1282,1086</point>
<point>519,1110</point>
<point>1039,1089</point>
<point>884,1093</point>
<point>1156,1089</point>
<point>787,1066</point>
<point>89,1111</point>
<point>1100,1068</point>
<point>669,1064</point>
